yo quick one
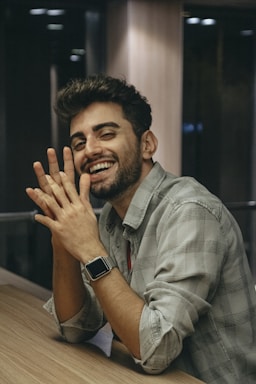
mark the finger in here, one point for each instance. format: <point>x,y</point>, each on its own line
<point>69,164</point>
<point>41,177</point>
<point>69,188</point>
<point>33,195</point>
<point>54,169</point>
<point>84,188</point>
<point>52,202</point>
<point>58,191</point>
<point>44,220</point>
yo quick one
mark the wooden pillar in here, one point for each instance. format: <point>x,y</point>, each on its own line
<point>144,44</point>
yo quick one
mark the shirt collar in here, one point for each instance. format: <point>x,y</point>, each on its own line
<point>141,199</point>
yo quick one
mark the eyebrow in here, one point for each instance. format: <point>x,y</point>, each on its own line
<point>95,128</point>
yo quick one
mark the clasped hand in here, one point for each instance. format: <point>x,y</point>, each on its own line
<point>68,215</point>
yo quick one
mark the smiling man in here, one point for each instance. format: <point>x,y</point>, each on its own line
<point>165,265</point>
<point>117,169</point>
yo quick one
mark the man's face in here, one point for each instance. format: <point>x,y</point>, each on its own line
<point>104,145</point>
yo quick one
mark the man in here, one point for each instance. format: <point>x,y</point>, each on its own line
<point>165,266</point>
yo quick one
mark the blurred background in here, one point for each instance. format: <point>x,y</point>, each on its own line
<point>45,43</point>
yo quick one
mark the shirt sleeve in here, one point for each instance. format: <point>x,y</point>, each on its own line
<point>190,252</point>
<point>83,325</point>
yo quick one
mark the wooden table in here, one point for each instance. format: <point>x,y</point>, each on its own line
<point>8,277</point>
<point>31,352</point>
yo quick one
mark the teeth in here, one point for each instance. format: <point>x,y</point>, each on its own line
<point>99,167</point>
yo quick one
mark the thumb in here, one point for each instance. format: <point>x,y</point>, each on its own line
<point>84,187</point>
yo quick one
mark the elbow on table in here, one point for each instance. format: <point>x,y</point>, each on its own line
<point>75,336</point>
<point>154,370</point>
<point>155,364</point>
<point>157,358</point>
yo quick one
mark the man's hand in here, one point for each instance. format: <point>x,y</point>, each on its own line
<point>54,173</point>
<point>68,215</point>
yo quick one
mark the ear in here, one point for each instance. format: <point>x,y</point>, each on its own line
<point>148,144</point>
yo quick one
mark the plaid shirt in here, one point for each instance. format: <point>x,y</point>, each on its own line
<point>190,268</point>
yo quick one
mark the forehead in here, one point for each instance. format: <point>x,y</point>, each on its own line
<point>95,114</point>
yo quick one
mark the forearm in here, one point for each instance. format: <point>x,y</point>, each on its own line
<point>122,307</point>
<point>68,288</point>
<point>74,228</point>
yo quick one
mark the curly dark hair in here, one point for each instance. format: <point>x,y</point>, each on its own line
<point>80,93</point>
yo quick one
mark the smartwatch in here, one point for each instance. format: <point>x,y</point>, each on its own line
<point>98,267</point>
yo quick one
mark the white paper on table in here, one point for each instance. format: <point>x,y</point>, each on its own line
<point>103,339</point>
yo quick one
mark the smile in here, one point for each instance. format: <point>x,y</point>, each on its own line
<point>100,167</point>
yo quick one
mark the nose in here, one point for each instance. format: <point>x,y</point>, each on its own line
<point>92,147</point>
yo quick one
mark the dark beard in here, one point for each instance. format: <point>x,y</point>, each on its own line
<point>125,178</point>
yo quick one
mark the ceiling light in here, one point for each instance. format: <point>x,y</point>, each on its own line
<point>78,51</point>
<point>193,20</point>
<point>247,32</point>
<point>75,58</point>
<point>55,27</point>
<point>55,12</point>
<point>208,22</point>
<point>37,11</point>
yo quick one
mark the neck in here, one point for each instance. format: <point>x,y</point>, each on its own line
<point>121,203</point>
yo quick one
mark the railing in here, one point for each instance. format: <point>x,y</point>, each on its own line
<point>11,218</point>
<point>241,205</point>
<point>7,217</point>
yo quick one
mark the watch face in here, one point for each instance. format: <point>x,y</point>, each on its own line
<point>97,268</point>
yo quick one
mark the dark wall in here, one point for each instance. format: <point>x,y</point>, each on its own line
<point>28,117</point>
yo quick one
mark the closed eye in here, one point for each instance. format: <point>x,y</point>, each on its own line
<point>107,135</point>
<point>78,145</point>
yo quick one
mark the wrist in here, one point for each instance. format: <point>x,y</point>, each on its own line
<point>98,267</point>
<point>88,255</point>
